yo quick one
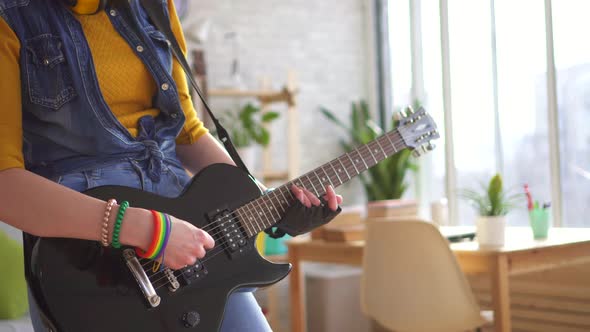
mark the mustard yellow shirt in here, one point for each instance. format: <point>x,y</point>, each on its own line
<point>125,82</point>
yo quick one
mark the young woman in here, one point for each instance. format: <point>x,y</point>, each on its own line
<point>84,102</point>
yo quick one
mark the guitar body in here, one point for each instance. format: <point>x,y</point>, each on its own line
<point>89,288</point>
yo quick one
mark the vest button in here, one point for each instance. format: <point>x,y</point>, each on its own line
<point>139,48</point>
<point>174,115</point>
<point>46,62</point>
<point>165,86</point>
<point>113,12</point>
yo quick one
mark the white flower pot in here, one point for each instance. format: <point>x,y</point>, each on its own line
<point>490,231</point>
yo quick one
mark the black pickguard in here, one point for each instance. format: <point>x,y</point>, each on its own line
<point>87,288</point>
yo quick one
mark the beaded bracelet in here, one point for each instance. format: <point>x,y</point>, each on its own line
<point>117,229</point>
<point>162,226</point>
<point>105,222</point>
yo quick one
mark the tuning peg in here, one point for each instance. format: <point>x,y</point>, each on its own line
<point>398,116</point>
<point>416,153</point>
<point>430,146</point>
<point>408,110</point>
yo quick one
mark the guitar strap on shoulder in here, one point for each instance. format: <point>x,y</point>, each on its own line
<point>155,11</point>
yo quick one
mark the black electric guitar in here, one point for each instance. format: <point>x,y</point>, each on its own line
<point>86,288</point>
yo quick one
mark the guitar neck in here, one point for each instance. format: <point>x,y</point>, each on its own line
<point>267,210</point>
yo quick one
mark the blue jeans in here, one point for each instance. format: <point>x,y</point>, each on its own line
<point>242,312</point>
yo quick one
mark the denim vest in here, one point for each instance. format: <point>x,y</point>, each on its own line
<point>68,128</point>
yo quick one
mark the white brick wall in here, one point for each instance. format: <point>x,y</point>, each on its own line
<point>325,42</point>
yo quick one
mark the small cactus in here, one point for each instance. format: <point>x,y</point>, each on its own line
<point>494,202</point>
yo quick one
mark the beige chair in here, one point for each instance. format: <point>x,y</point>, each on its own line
<point>412,282</point>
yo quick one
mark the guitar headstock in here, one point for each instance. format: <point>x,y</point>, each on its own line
<point>417,129</point>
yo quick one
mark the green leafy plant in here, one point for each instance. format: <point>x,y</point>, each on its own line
<point>493,200</point>
<point>386,180</point>
<point>246,126</point>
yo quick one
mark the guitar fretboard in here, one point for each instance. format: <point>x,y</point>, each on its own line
<point>267,210</point>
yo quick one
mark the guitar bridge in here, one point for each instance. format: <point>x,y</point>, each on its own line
<point>144,283</point>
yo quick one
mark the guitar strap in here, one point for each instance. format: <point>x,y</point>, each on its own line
<point>155,11</point>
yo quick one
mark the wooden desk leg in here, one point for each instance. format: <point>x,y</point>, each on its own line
<point>501,293</point>
<point>296,288</point>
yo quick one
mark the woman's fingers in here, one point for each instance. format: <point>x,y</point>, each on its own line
<point>315,201</point>
<point>331,198</point>
<point>300,195</point>
<point>308,199</point>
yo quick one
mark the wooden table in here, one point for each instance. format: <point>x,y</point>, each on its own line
<point>520,254</point>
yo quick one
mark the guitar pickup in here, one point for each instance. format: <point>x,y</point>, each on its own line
<point>230,233</point>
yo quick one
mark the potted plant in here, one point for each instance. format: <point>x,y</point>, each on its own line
<point>492,204</point>
<point>246,129</point>
<point>384,183</point>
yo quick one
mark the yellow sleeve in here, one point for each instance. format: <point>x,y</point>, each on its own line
<point>11,130</point>
<point>193,126</point>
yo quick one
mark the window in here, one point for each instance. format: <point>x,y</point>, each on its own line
<point>499,105</point>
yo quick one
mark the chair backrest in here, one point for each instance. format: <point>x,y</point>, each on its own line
<point>412,281</point>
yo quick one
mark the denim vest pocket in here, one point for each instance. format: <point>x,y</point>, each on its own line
<point>48,78</point>
<point>76,181</point>
<point>163,48</point>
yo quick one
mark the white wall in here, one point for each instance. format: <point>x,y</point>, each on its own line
<point>325,42</point>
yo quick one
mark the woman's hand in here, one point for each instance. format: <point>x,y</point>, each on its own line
<point>186,244</point>
<point>308,199</point>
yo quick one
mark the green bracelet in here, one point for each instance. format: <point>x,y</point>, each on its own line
<point>115,242</point>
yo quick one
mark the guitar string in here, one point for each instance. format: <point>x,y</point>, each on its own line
<point>221,243</point>
<point>211,254</point>
<point>224,242</point>
<point>313,181</point>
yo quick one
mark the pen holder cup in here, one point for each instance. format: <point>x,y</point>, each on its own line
<point>540,222</point>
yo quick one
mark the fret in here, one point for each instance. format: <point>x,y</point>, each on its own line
<point>252,218</point>
<point>312,185</point>
<point>261,212</point>
<point>244,222</point>
<point>270,209</point>
<point>394,147</point>
<point>353,165</point>
<point>362,159</point>
<point>288,189</point>
<point>382,151</point>
<point>299,183</point>
<point>382,142</point>
<point>285,200</point>
<point>349,177</point>
<point>329,179</point>
<point>271,194</point>
<point>389,139</point>
<point>337,176</point>
<point>320,181</point>
<point>372,155</point>
<point>257,216</point>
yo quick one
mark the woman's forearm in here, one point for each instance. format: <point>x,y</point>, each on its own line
<point>43,208</point>
<point>202,153</point>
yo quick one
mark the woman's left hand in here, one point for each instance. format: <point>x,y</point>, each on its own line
<point>309,199</point>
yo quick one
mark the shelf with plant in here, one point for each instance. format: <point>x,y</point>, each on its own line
<point>247,130</point>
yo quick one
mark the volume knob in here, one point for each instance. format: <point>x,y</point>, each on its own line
<point>191,319</point>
